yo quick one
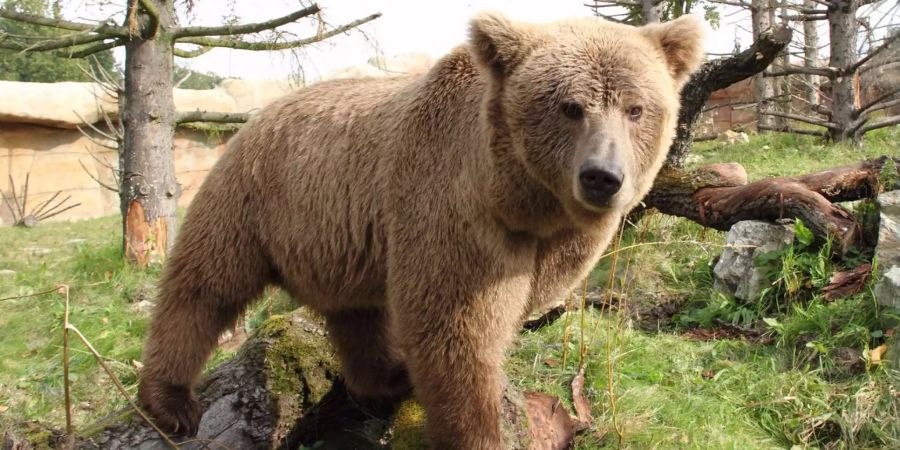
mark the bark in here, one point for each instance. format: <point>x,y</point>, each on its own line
<point>149,191</point>
<point>715,198</point>
<point>843,28</point>
<point>761,16</point>
<point>810,56</point>
<point>649,11</point>
<point>719,74</point>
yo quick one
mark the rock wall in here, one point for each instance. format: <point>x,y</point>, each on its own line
<point>52,158</point>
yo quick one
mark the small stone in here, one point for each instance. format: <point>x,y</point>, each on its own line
<point>143,306</point>
<point>37,251</point>
<point>736,274</point>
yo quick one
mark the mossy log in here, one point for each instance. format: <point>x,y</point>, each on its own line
<point>717,196</point>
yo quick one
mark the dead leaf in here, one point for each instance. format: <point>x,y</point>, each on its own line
<point>4,408</point>
<point>876,354</point>
<point>550,362</point>
<point>137,364</point>
<point>104,320</point>
<point>583,419</point>
<point>708,374</point>
<point>550,426</point>
<point>846,283</point>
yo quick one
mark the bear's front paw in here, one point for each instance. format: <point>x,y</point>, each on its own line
<point>173,408</point>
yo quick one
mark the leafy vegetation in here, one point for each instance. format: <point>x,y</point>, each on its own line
<point>804,379</point>
<point>43,66</point>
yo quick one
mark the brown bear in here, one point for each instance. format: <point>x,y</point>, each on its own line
<point>424,216</point>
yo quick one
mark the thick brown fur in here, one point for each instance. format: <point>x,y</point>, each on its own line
<point>424,216</point>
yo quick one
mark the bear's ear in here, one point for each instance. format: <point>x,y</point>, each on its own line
<point>681,41</point>
<point>499,44</point>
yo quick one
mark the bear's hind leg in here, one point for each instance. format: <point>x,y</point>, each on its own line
<point>371,366</point>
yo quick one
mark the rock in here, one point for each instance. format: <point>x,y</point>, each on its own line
<point>735,273</point>
<point>887,252</point>
<point>887,290</point>
<point>733,137</point>
<point>61,105</point>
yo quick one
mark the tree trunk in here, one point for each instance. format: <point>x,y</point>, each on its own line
<point>843,27</point>
<point>649,11</point>
<point>719,74</point>
<point>149,191</point>
<point>761,15</point>
<point>810,57</point>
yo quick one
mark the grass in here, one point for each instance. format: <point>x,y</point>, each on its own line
<point>668,390</point>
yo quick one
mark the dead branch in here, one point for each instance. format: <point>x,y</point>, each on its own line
<point>101,28</point>
<point>886,122</point>
<point>791,130</point>
<point>270,46</point>
<point>719,74</point>
<point>191,53</point>
<point>214,117</point>
<point>799,118</point>
<point>246,28</point>
<point>884,45</point>
<point>826,72</point>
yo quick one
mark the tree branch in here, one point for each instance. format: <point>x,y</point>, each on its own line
<point>886,122</point>
<point>786,129</point>
<point>863,109</point>
<point>800,70</point>
<point>246,28</point>
<point>718,74</point>
<point>884,45</point>
<point>191,53</point>
<point>206,116</point>
<point>50,44</point>
<point>102,28</point>
<point>269,46</point>
<point>883,105</point>
<point>799,118</point>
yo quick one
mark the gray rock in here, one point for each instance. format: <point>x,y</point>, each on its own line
<point>735,273</point>
<point>887,290</point>
<point>888,250</point>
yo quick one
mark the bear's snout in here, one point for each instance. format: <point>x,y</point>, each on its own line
<point>600,180</point>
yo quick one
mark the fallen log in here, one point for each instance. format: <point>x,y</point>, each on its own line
<point>715,196</point>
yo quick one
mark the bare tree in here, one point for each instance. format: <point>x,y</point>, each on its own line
<point>845,118</point>
<point>152,38</point>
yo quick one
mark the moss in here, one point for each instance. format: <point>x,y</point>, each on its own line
<point>299,359</point>
<point>408,426</point>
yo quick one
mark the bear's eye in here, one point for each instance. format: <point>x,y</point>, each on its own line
<point>572,110</point>
<point>635,112</point>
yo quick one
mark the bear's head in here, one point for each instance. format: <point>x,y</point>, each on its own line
<point>589,106</point>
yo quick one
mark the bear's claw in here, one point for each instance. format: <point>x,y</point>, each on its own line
<point>173,408</point>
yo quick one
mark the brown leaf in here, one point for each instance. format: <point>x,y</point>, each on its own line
<point>846,283</point>
<point>583,419</point>
<point>550,426</point>
<point>708,374</point>
<point>876,354</point>
<point>550,362</point>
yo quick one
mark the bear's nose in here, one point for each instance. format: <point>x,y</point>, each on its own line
<point>599,181</point>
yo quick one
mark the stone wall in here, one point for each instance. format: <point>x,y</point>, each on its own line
<point>52,159</point>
